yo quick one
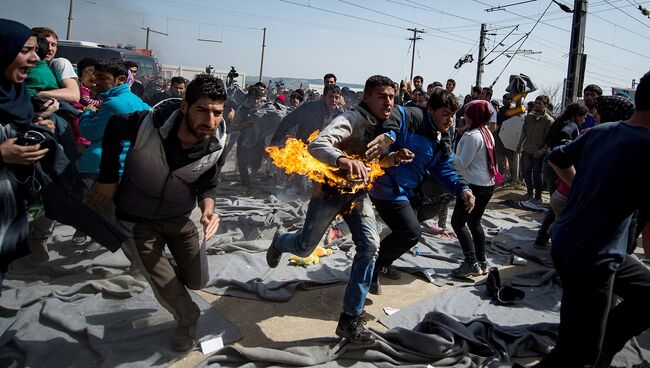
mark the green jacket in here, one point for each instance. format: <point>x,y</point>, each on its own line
<point>40,78</point>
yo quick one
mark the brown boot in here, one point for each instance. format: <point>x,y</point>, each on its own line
<point>185,336</point>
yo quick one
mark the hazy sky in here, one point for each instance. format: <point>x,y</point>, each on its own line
<point>355,39</point>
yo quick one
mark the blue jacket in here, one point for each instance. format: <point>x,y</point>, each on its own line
<point>117,100</point>
<point>432,157</point>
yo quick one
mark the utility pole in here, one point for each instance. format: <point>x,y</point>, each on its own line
<point>414,38</point>
<point>577,57</point>
<point>262,59</point>
<point>481,51</point>
<point>69,32</point>
<point>151,30</point>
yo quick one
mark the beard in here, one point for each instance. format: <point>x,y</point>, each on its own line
<point>194,128</point>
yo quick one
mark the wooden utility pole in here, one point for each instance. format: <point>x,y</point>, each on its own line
<point>481,51</point>
<point>146,45</point>
<point>68,34</point>
<point>577,57</point>
<point>262,59</point>
<point>414,38</point>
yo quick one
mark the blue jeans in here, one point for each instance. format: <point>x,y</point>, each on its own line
<point>323,208</point>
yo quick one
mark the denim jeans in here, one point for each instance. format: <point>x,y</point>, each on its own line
<point>323,208</point>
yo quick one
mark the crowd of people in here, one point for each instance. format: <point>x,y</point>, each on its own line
<point>140,162</point>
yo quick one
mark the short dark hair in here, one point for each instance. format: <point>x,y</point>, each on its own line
<point>489,92</point>
<point>442,98</point>
<point>44,32</point>
<point>508,96</point>
<point>453,82</point>
<point>205,85</point>
<point>85,63</point>
<point>253,91</point>
<point>437,84</point>
<point>260,84</point>
<point>418,77</point>
<point>331,88</point>
<point>42,46</point>
<point>177,80</point>
<point>544,99</point>
<point>593,88</point>
<point>130,64</point>
<point>328,76</point>
<point>642,94</point>
<point>377,81</point>
<point>113,66</point>
<point>476,89</point>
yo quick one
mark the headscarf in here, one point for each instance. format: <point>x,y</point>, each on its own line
<point>613,108</point>
<point>15,106</point>
<point>477,113</point>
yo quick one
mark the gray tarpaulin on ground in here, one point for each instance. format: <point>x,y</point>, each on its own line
<point>460,327</point>
<point>524,329</point>
<point>85,309</point>
<point>248,224</point>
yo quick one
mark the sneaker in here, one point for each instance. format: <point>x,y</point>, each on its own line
<point>467,269</point>
<point>332,235</point>
<point>483,266</point>
<point>351,327</point>
<point>543,246</point>
<point>80,239</point>
<point>375,288</point>
<point>389,272</point>
<point>273,256</point>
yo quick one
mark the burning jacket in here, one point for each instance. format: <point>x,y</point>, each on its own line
<point>349,134</point>
<point>432,157</point>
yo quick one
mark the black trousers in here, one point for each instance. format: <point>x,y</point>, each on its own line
<point>405,228</point>
<point>467,225</point>
<point>590,330</point>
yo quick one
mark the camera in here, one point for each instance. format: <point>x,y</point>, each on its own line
<point>30,138</point>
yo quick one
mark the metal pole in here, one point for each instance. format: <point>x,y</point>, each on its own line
<point>481,51</point>
<point>146,45</point>
<point>262,59</point>
<point>69,32</point>
<point>414,38</point>
<point>577,57</point>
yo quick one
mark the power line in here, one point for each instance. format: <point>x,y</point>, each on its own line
<point>623,11</point>
<point>403,19</point>
<point>500,42</point>
<point>342,14</point>
<point>562,29</point>
<point>521,44</point>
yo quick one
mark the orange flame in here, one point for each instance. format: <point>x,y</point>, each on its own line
<point>295,159</point>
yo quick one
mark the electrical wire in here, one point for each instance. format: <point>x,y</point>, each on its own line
<point>521,44</point>
<point>403,19</point>
<point>499,43</point>
<point>587,37</point>
<point>623,11</point>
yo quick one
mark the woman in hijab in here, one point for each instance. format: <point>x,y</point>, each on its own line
<point>476,162</point>
<point>17,55</point>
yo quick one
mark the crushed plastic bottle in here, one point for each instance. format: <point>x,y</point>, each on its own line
<point>415,250</point>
